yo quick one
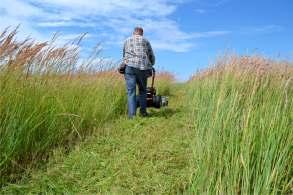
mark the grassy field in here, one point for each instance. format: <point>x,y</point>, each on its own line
<point>145,155</point>
<point>242,115</point>
<point>63,127</point>
<point>46,101</point>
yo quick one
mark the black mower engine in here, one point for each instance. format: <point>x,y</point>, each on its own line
<point>154,100</point>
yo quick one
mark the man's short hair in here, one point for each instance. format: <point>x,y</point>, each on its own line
<point>138,30</point>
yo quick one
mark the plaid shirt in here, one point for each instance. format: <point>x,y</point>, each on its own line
<point>138,53</point>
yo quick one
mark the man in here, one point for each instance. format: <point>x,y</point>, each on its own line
<point>139,59</point>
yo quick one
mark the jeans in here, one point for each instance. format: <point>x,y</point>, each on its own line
<point>133,77</point>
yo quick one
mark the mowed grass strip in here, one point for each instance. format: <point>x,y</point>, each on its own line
<point>145,155</point>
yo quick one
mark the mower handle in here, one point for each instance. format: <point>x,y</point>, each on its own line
<point>153,76</point>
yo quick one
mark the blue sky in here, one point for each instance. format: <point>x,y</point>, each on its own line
<point>186,35</point>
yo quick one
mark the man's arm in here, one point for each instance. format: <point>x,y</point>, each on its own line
<point>151,53</point>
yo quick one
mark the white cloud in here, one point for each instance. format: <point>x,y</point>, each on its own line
<point>18,9</point>
<point>264,29</point>
<point>172,46</point>
<point>106,7</point>
<point>210,34</point>
<point>111,20</point>
<point>16,12</point>
<point>26,30</point>
<point>268,29</point>
<point>211,3</point>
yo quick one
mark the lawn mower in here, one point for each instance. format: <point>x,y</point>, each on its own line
<point>154,100</point>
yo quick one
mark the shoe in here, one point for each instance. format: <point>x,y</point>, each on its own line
<point>131,117</point>
<point>144,114</point>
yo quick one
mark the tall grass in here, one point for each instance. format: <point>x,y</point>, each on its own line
<point>241,111</point>
<point>48,99</point>
<point>164,82</point>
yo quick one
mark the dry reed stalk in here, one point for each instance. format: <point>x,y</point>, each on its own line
<point>241,66</point>
<point>44,58</point>
<point>166,76</point>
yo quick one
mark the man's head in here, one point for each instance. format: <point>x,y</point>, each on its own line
<point>138,31</point>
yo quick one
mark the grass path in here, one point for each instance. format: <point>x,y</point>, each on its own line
<point>145,155</point>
